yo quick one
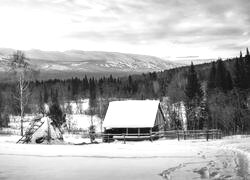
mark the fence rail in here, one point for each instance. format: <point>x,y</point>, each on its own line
<point>176,134</point>
<point>9,131</point>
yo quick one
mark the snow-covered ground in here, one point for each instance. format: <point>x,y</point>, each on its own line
<point>162,159</point>
<point>82,122</point>
<point>78,120</point>
<point>77,107</point>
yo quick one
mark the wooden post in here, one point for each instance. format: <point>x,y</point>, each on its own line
<point>108,137</point>
<point>178,136</point>
<point>184,135</point>
<point>151,139</point>
<point>124,140</point>
<point>138,132</point>
<point>207,134</point>
<point>103,136</point>
<point>126,135</point>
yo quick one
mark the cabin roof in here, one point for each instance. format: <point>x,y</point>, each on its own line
<point>131,114</point>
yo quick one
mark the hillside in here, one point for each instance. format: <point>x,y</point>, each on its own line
<point>55,64</point>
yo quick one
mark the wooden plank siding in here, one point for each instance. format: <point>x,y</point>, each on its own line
<point>160,120</point>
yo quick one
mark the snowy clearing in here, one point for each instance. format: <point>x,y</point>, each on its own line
<point>162,159</point>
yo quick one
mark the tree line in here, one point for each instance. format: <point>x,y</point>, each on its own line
<point>215,95</point>
<point>221,101</point>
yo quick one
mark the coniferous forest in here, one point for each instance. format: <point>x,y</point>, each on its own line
<point>216,95</point>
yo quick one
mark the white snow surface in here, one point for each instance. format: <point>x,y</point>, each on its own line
<point>82,122</point>
<point>77,120</point>
<point>172,159</point>
<point>79,106</point>
<point>131,114</point>
<point>141,149</point>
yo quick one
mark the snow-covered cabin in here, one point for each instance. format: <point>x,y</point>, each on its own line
<point>134,117</point>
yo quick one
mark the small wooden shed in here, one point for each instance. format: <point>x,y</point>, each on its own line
<point>134,119</point>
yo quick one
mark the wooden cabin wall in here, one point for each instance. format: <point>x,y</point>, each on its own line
<point>159,121</point>
<point>124,130</point>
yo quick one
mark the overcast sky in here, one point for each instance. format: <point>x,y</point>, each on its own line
<point>163,28</point>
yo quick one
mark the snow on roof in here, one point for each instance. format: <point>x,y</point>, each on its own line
<point>131,114</point>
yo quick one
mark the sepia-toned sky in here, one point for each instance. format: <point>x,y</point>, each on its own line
<point>163,28</point>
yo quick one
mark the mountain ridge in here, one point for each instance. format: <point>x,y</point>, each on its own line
<point>89,62</point>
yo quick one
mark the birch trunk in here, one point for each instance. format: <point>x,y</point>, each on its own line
<point>21,102</point>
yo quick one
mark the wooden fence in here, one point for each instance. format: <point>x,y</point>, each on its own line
<point>9,131</point>
<point>191,134</point>
<point>176,134</point>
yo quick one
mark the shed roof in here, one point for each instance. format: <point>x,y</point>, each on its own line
<point>131,114</point>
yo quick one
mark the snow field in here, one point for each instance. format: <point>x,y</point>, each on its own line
<point>167,159</point>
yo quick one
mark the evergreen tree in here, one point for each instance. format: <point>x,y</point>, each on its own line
<point>194,95</point>
<point>203,115</point>
<point>239,73</point>
<point>54,96</point>
<point>85,85</point>
<point>247,65</point>
<point>41,103</point>
<point>229,82</point>
<point>211,84</point>
<point>193,88</point>
<point>175,122</point>
<point>75,82</point>
<point>56,115</point>
<point>223,78</point>
<point>92,93</point>
<point>55,111</point>
<point>45,95</point>
<point>1,104</point>
<point>92,107</point>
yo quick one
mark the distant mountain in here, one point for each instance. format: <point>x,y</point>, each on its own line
<point>187,61</point>
<point>55,64</point>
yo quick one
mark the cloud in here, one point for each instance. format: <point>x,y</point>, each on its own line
<point>214,25</point>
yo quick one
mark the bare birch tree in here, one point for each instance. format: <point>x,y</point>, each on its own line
<point>23,73</point>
